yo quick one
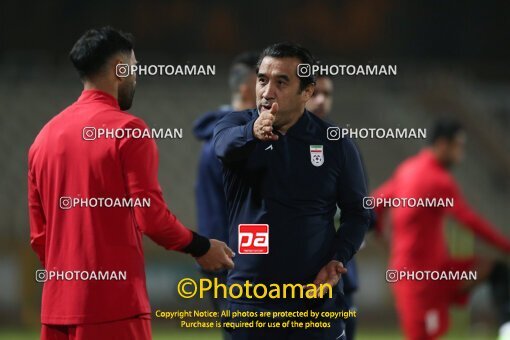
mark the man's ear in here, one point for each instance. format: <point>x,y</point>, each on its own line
<point>121,66</point>
<point>117,70</point>
<point>308,92</point>
<point>441,145</point>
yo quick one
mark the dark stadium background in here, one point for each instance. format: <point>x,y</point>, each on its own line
<point>452,59</point>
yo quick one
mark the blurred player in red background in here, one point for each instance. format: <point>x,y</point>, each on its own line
<point>418,243</point>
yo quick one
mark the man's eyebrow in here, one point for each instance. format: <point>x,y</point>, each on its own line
<point>283,76</point>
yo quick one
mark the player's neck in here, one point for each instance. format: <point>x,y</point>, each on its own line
<point>89,85</point>
<point>438,156</point>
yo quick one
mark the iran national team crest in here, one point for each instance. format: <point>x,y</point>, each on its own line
<point>317,155</point>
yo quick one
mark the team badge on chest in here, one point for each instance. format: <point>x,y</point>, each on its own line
<point>317,154</point>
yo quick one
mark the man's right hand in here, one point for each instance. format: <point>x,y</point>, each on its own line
<point>218,257</point>
<point>263,126</point>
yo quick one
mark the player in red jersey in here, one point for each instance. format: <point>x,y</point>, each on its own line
<point>79,227</point>
<point>418,244</point>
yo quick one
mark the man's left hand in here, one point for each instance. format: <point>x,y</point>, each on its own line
<point>330,274</point>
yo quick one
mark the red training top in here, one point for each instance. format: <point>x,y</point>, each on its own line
<point>62,163</point>
<point>417,238</point>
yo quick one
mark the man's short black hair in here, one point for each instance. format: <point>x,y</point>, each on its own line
<point>91,52</point>
<point>243,65</point>
<point>445,129</point>
<point>291,50</point>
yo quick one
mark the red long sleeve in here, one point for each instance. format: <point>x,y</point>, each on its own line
<point>140,160</point>
<point>481,227</point>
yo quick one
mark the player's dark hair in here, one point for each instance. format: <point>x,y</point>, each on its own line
<point>93,49</point>
<point>445,129</point>
<point>243,65</point>
<point>290,50</point>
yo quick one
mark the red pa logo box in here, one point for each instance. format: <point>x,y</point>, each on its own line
<point>253,239</point>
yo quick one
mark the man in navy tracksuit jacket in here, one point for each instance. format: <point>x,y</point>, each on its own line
<point>281,169</point>
<point>210,197</point>
<point>209,193</point>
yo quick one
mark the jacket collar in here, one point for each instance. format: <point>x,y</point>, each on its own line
<point>88,96</point>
